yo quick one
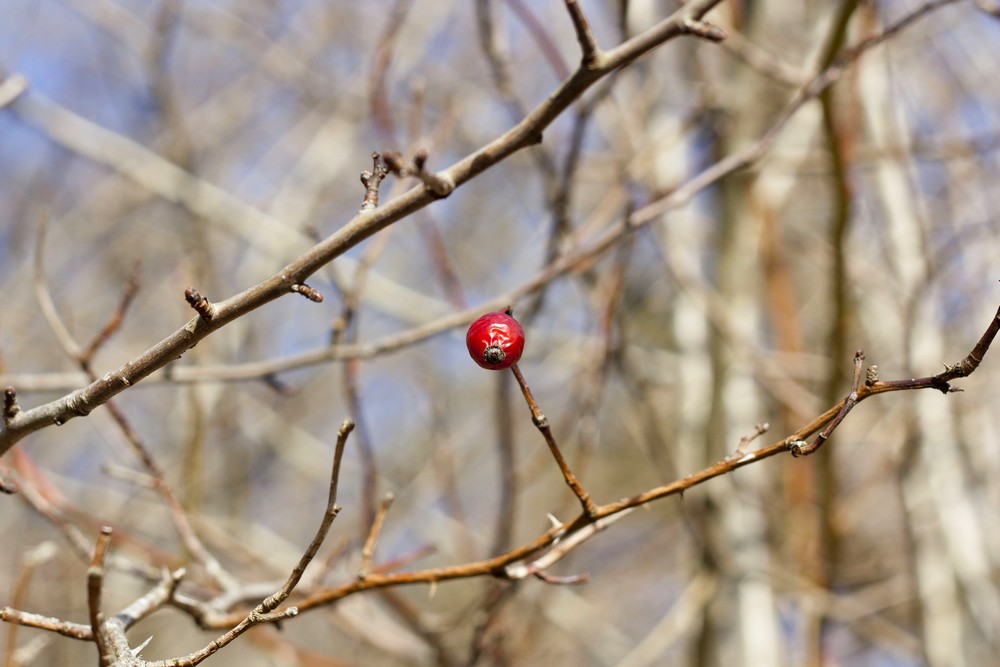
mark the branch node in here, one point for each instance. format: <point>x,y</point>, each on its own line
<point>799,448</point>
<point>372,180</point>
<point>707,31</point>
<point>741,448</point>
<point>310,293</point>
<point>590,52</point>
<point>10,406</point>
<point>201,305</point>
<point>440,185</point>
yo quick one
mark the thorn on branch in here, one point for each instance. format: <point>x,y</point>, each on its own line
<point>313,295</point>
<point>372,180</point>
<point>707,31</point>
<point>441,186</point>
<point>10,406</point>
<point>201,305</point>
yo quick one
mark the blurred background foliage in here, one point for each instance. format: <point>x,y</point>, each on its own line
<point>207,143</point>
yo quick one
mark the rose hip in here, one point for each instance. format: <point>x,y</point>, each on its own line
<point>495,341</point>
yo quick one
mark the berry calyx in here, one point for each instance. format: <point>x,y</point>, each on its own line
<point>495,341</point>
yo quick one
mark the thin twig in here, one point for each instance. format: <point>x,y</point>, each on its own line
<point>540,33</point>
<point>115,322</point>
<point>368,551</point>
<point>79,631</point>
<point>265,611</point>
<point>95,581</point>
<point>741,448</point>
<point>542,424</point>
<point>563,537</point>
<point>588,44</point>
<point>112,384</point>
<point>798,449</point>
<point>367,223</point>
<point>30,562</point>
<point>372,180</point>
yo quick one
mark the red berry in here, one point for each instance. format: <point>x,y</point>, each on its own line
<point>495,341</point>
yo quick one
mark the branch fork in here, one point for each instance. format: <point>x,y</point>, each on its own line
<point>441,185</point>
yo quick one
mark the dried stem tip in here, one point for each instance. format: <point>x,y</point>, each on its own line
<point>10,406</point>
<point>372,180</point>
<point>308,292</point>
<point>201,305</point>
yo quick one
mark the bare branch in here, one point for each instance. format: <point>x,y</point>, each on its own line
<point>368,552</point>
<point>562,538</point>
<point>367,223</point>
<point>372,180</point>
<point>588,45</point>
<point>542,423</point>
<point>95,581</point>
<point>264,612</point>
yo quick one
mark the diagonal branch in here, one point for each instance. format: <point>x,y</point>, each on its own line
<point>526,133</point>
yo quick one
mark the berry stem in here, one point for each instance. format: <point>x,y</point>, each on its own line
<point>542,423</point>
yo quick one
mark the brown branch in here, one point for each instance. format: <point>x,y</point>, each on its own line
<point>115,322</point>
<point>95,582</point>
<point>763,61</point>
<point>564,537</point>
<point>365,224</point>
<point>152,360</point>
<point>542,424</point>
<point>368,551</point>
<point>79,406</point>
<point>741,448</point>
<point>265,611</point>
<point>58,626</point>
<point>10,406</point>
<point>588,45</point>
<point>30,562</point>
<point>799,448</point>
<point>372,180</point>
<point>436,183</point>
<point>706,31</point>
